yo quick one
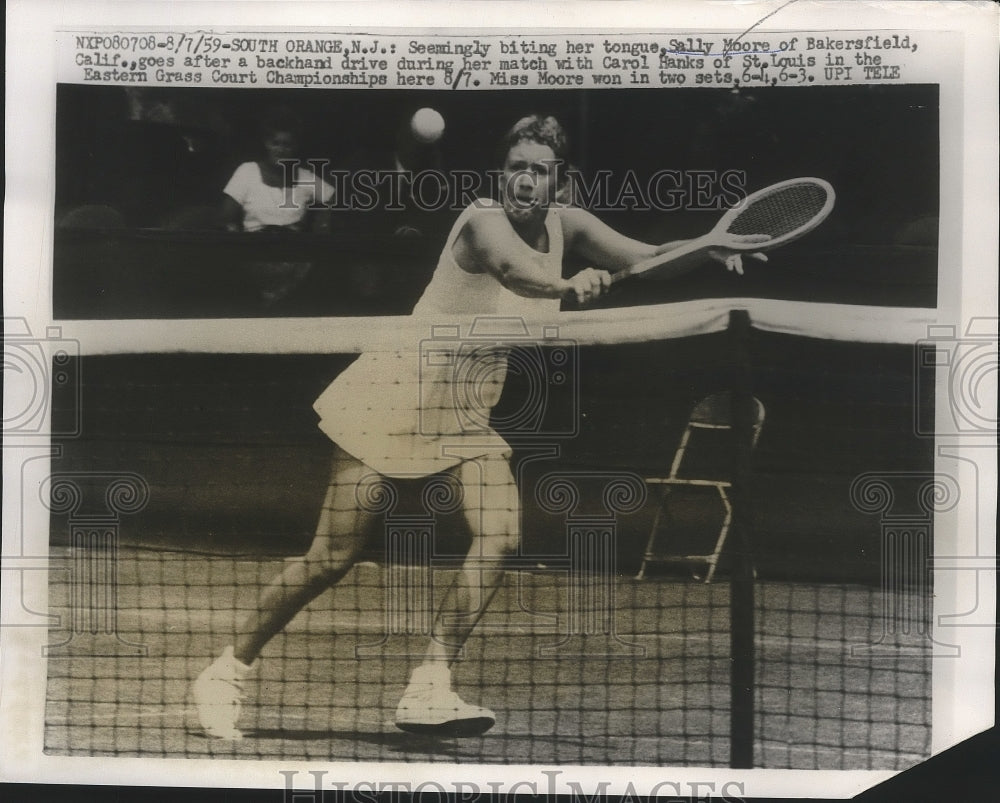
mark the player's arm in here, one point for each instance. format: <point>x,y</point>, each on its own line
<point>600,244</point>
<point>488,244</point>
<point>597,242</point>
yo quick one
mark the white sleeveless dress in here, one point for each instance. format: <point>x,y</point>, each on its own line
<point>424,410</point>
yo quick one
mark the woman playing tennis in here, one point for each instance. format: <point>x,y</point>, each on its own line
<point>501,258</point>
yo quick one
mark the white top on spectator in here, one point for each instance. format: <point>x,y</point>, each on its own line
<point>264,205</point>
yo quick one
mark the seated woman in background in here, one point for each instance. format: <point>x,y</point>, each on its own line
<point>277,193</point>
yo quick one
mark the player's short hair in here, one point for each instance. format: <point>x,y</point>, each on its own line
<point>542,129</point>
<point>280,119</point>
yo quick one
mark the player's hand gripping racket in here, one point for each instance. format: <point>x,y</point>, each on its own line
<point>763,220</point>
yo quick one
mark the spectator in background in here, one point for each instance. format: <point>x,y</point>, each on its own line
<point>277,193</point>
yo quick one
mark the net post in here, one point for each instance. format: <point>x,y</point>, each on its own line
<point>741,596</point>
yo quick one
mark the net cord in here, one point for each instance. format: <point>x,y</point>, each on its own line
<point>842,322</point>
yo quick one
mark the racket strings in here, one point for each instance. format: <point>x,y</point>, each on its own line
<point>782,212</point>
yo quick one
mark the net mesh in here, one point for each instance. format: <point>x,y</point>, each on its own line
<point>780,213</point>
<point>328,685</point>
<point>582,662</point>
<point>831,693</point>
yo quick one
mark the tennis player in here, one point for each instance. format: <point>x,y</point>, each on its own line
<point>501,258</point>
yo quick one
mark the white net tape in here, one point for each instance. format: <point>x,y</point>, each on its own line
<point>845,322</point>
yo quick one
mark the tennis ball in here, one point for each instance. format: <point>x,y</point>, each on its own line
<point>427,126</point>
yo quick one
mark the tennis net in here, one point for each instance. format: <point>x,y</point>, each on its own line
<point>602,645</point>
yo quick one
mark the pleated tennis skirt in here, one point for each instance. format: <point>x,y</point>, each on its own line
<point>406,416</point>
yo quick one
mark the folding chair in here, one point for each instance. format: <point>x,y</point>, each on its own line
<point>711,416</point>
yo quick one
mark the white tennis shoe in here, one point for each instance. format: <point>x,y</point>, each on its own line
<point>430,706</point>
<point>218,695</point>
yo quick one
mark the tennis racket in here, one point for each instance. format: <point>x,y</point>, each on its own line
<point>763,220</point>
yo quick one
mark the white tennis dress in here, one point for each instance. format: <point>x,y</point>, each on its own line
<point>420,411</point>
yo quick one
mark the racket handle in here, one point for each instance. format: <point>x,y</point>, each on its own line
<point>661,266</point>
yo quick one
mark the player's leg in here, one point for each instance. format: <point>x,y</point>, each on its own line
<point>491,509</point>
<point>340,537</point>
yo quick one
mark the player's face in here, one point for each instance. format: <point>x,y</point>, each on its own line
<point>280,145</point>
<point>529,180</point>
